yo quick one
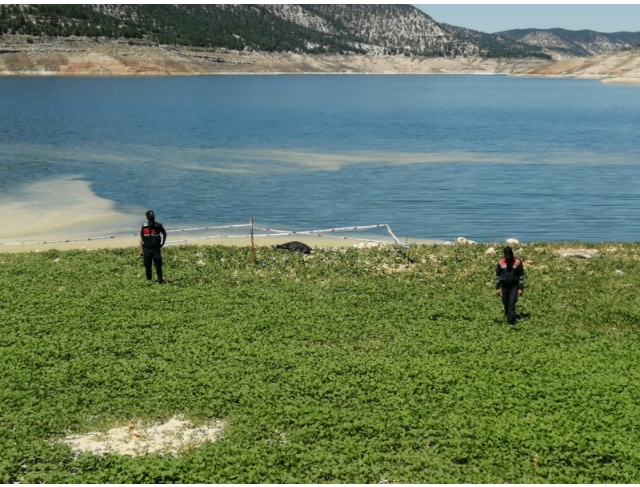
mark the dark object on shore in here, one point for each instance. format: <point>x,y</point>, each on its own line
<point>294,247</point>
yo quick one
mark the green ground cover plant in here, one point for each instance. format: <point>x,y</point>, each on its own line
<point>347,366</point>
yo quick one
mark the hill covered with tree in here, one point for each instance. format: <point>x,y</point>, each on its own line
<point>357,29</point>
<point>573,42</point>
<point>307,29</point>
<point>495,45</point>
<point>235,27</point>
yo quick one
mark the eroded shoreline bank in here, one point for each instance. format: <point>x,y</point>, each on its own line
<point>84,57</point>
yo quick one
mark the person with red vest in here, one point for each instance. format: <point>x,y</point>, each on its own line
<point>509,282</point>
<point>152,239</point>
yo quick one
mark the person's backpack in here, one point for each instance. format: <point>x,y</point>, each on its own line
<point>150,239</point>
<point>295,247</point>
<point>509,278</point>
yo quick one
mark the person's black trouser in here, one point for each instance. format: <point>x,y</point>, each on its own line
<point>509,299</point>
<point>155,256</point>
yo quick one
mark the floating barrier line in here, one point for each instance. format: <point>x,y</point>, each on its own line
<point>88,239</point>
<point>342,229</point>
<point>336,237</point>
<point>279,233</point>
<point>311,233</point>
<point>336,230</point>
<point>175,242</point>
<point>208,228</point>
<point>271,230</point>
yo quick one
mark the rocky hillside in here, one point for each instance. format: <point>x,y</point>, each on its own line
<point>303,29</point>
<point>299,14</point>
<point>397,29</point>
<point>235,27</point>
<point>573,43</point>
<point>359,29</point>
<point>493,45</point>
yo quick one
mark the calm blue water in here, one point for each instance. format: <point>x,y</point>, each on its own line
<point>433,156</point>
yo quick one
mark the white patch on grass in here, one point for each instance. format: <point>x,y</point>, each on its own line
<point>579,253</point>
<point>170,438</point>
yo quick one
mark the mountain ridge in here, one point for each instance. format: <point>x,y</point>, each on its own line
<point>578,43</point>
<point>110,39</point>
<point>309,28</point>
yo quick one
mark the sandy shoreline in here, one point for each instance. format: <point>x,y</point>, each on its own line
<point>132,242</point>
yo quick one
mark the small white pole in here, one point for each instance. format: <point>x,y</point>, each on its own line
<point>253,248</point>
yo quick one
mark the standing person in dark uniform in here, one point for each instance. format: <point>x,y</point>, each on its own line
<point>509,281</point>
<point>152,239</point>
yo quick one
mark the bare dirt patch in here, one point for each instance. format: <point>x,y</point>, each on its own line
<point>170,438</point>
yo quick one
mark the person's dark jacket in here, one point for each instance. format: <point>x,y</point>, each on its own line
<point>153,236</point>
<point>510,277</point>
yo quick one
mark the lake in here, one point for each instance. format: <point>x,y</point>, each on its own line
<point>435,157</point>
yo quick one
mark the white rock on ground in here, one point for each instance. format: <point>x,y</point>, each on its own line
<point>579,253</point>
<point>490,250</point>
<point>463,240</point>
<point>512,241</point>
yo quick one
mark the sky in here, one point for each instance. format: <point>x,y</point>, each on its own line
<point>495,18</point>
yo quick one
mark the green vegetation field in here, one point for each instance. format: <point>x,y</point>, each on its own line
<point>325,369</point>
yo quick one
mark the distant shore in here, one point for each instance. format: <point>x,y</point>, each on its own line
<point>86,57</point>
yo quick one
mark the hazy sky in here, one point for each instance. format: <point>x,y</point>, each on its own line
<point>494,18</point>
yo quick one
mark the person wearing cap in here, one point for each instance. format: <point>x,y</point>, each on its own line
<point>152,239</point>
<point>509,283</point>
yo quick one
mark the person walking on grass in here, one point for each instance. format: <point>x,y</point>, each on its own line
<point>152,239</point>
<point>509,282</point>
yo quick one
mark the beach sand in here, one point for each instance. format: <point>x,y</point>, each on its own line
<point>132,242</point>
